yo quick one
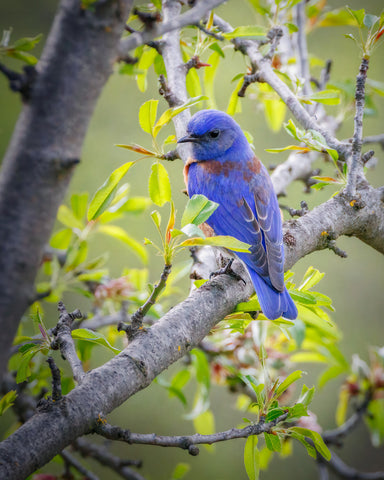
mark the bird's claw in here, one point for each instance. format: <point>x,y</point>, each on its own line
<point>227,270</point>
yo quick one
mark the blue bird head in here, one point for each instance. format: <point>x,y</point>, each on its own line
<point>214,134</point>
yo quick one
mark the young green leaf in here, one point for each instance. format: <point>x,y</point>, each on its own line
<point>293,377</point>
<point>220,241</point>
<point>7,401</point>
<point>94,337</point>
<point>252,458</point>
<point>67,218</point>
<point>198,210</point>
<point>104,195</point>
<point>159,185</point>
<point>317,440</point>
<point>147,115</point>
<point>246,31</point>
<point>181,469</point>
<point>272,442</point>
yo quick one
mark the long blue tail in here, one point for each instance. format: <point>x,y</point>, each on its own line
<point>273,303</point>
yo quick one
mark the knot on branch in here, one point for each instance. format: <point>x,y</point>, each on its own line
<point>329,239</point>
<point>166,92</point>
<point>248,80</point>
<point>21,82</point>
<point>195,62</point>
<point>299,212</point>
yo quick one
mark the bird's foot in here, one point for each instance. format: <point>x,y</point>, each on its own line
<point>227,270</point>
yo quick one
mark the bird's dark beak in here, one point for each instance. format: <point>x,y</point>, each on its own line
<point>187,139</point>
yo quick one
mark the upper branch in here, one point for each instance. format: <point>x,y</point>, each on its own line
<point>191,17</point>
<point>355,166</point>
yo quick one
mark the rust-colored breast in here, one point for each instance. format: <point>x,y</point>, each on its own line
<point>253,168</point>
<point>215,167</point>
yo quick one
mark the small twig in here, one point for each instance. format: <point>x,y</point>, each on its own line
<point>273,37</point>
<point>71,460</point>
<point>355,166</point>
<point>195,62</point>
<point>170,156</point>
<point>21,82</point>
<point>345,471</point>
<point>330,242</point>
<point>374,139</point>
<point>323,471</point>
<point>56,379</point>
<point>137,318</point>
<point>302,48</point>
<point>299,212</point>
<point>64,341</point>
<point>166,92</point>
<point>334,437</point>
<point>149,19</point>
<point>325,74</point>
<point>367,156</point>
<point>101,455</point>
<point>209,32</point>
<point>186,442</point>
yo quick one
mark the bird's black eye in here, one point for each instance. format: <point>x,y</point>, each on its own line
<point>214,133</point>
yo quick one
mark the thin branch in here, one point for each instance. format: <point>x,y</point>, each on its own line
<point>335,436</point>
<point>191,17</point>
<point>101,455</point>
<point>374,139</point>
<point>355,166</point>
<point>137,318</point>
<point>186,442</point>
<point>56,379</point>
<point>64,341</point>
<point>302,49</point>
<point>267,75</point>
<point>20,82</point>
<point>345,471</point>
<point>299,212</point>
<point>71,460</point>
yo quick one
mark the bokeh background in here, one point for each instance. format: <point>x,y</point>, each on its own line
<point>355,284</point>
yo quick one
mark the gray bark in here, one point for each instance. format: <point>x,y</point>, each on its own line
<point>76,63</point>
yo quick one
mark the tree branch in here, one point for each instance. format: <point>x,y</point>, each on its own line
<point>76,63</point>
<point>170,24</point>
<point>355,167</point>
<point>64,341</point>
<point>71,460</point>
<point>345,471</point>
<point>101,455</point>
<point>186,442</point>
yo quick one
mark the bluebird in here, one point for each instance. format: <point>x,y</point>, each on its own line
<point>224,168</point>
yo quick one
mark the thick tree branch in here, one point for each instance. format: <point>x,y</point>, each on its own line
<point>76,63</point>
<point>186,442</point>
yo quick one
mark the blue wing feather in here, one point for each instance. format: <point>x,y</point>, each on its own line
<point>249,211</point>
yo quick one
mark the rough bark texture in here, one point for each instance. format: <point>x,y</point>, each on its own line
<point>76,63</point>
<point>57,425</point>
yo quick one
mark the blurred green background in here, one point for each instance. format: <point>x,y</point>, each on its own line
<point>355,284</point>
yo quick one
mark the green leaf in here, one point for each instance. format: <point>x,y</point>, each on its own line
<point>220,241</point>
<point>198,210</point>
<point>301,438</point>
<point>246,31</point>
<point>67,218</point>
<point>302,297</point>
<point>147,115</point>
<point>336,18</point>
<point>146,60</point>
<point>192,83</point>
<point>159,185</point>
<point>273,414</point>
<point>205,423</point>
<point>7,401</point>
<point>329,374</point>
<point>119,233</point>
<point>252,458</point>
<point>293,377</point>
<point>94,337</point>
<point>317,440</point>
<point>342,406</point>
<point>375,421</point>
<point>137,149</point>
<point>297,411</point>
<point>156,217</point>
<point>23,56</point>
<point>306,395</point>
<point>272,442</point>
<point>104,195</point>
<point>327,97</point>
<point>311,277</point>
<point>61,239</point>
<point>289,147</point>
<point>274,107</point>
<point>167,116</point>
<point>234,106</point>
<point>79,204</point>
<point>180,471</point>
<point>209,78</point>
<point>23,370</point>
<point>27,43</point>
<point>358,15</point>
<point>292,28</point>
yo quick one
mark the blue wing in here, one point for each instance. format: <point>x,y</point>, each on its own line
<point>248,211</point>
